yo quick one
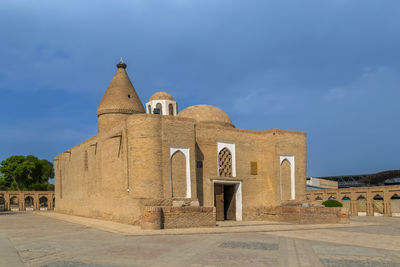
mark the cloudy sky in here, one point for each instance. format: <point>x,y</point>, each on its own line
<point>330,68</point>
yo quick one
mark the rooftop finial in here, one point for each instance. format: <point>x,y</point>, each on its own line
<point>121,64</point>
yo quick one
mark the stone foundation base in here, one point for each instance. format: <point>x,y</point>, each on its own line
<point>177,217</point>
<point>299,214</point>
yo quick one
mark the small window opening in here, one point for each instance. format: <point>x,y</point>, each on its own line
<point>199,164</point>
<point>253,168</point>
<point>86,162</point>
<point>129,96</point>
<point>159,107</point>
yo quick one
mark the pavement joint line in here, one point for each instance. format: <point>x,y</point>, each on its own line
<point>19,255</point>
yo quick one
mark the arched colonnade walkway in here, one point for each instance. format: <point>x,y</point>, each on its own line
<point>362,201</point>
<point>27,200</point>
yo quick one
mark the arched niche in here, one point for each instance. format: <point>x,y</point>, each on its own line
<point>2,203</point>
<point>286,180</point>
<point>395,205</point>
<point>362,206</point>
<point>285,163</point>
<point>178,174</point>
<point>14,203</point>
<point>346,201</point>
<point>29,203</point>
<point>43,203</point>
<point>185,152</point>
<point>378,205</point>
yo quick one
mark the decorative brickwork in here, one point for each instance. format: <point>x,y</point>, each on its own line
<point>225,163</point>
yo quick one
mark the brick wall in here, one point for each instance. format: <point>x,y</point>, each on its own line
<point>186,217</point>
<point>301,215</point>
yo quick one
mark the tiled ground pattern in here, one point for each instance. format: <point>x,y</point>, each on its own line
<point>36,240</point>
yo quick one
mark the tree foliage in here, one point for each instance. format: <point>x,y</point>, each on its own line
<point>332,203</point>
<point>26,173</point>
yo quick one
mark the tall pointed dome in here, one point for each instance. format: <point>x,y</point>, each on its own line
<point>120,96</point>
<point>119,101</point>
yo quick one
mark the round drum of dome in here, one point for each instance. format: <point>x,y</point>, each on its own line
<point>151,218</point>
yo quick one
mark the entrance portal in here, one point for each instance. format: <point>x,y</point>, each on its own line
<point>225,201</point>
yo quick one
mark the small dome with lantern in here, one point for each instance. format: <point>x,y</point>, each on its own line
<point>162,103</point>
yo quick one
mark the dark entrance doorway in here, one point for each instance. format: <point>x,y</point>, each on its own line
<point>225,201</point>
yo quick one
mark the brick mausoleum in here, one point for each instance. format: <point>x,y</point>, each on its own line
<point>188,168</point>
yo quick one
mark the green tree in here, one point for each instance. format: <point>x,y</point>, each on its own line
<point>26,173</point>
<point>332,203</point>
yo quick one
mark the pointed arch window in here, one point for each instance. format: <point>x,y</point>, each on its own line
<point>225,163</point>
<point>159,107</point>
<point>226,159</point>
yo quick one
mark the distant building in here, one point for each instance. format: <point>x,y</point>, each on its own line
<point>318,183</point>
<point>391,177</point>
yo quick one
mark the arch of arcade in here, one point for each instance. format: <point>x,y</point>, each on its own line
<point>26,200</point>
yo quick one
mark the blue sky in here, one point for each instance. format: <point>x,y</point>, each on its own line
<point>330,68</point>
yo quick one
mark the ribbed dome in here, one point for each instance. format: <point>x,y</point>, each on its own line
<point>120,96</point>
<point>161,96</point>
<point>207,114</point>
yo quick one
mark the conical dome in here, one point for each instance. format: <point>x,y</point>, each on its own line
<point>120,96</point>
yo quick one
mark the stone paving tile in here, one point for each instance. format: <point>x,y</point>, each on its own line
<point>226,227</point>
<point>77,264</point>
<point>335,249</point>
<point>340,237</point>
<point>378,229</point>
<point>249,245</point>
<point>357,263</point>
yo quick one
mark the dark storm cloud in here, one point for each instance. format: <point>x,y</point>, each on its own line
<point>329,68</point>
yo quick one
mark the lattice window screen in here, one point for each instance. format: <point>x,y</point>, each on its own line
<point>225,163</point>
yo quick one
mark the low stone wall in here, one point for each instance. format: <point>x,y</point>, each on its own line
<point>178,217</point>
<point>300,215</point>
<point>185,217</point>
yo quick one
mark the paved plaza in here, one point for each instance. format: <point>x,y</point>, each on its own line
<point>31,239</point>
